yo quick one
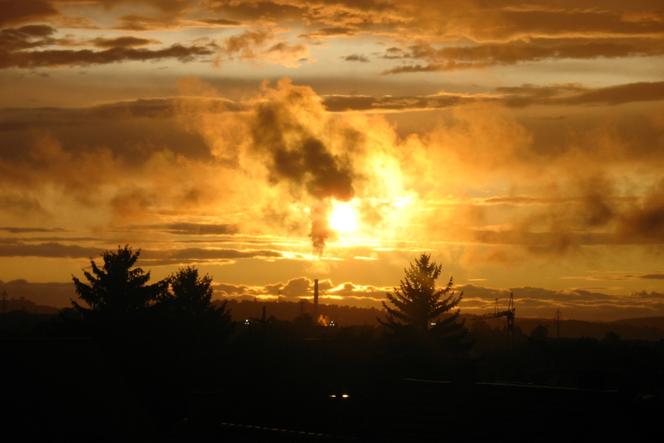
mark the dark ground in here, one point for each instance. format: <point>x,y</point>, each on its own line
<point>69,390</point>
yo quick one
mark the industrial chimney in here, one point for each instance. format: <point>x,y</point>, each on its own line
<point>316,297</point>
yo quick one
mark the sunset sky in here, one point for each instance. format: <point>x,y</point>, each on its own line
<point>521,143</point>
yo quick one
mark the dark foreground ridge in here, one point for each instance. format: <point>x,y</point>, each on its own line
<point>152,362</point>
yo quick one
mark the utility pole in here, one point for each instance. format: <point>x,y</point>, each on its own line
<point>557,321</point>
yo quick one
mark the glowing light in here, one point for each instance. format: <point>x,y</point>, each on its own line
<point>343,217</point>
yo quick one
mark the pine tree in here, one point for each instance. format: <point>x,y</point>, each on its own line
<point>420,309</point>
<point>116,288</point>
<point>190,296</point>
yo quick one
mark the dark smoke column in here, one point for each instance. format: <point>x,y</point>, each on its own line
<point>320,230</point>
<point>301,159</point>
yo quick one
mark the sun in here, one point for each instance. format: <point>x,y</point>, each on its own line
<point>343,217</point>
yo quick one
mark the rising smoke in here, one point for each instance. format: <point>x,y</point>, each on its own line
<point>283,131</point>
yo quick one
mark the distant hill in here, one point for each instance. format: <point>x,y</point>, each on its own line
<point>632,329</point>
<point>57,295</point>
<point>652,322</point>
<point>22,304</point>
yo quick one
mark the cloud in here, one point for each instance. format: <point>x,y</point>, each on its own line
<point>23,206</point>
<point>296,287</point>
<point>513,20</point>
<point>243,45</point>
<point>450,58</point>
<point>50,249</point>
<point>356,58</point>
<point>124,41</point>
<point>31,47</point>
<point>619,94</point>
<point>82,57</point>
<point>644,221</point>
<point>26,10</point>
<point>514,97</point>
<point>155,257</point>
<point>505,33</point>
<point>23,229</point>
<point>271,164</point>
<point>652,276</point>
<point>262,45</point>
<point>197,228</point>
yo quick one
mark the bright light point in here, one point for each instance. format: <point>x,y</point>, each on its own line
<point>343,217</point>
<point>345,395</point>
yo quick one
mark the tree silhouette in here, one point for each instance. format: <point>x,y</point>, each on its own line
<point>116,288</point>
<point>420,309</point>
<point>193,328</point>
<point>190,296</point>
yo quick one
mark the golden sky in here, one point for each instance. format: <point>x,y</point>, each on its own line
<point>521,143</point>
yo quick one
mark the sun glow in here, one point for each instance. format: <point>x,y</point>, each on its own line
<point>343,217</point>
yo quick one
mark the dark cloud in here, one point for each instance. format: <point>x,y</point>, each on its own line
<point>598,216</point>
<point>188,255</point>
<point>512,20</point>
<point>328,32</point>
<point>514,96</point>
<point>645,220</point>
<point>197,228</point>
<point>13,11</point>
<point>82,57</point>
<point>11,248</point>
<point>122,42</point>
<point>23,230</point>
<point>614,95</point>
<point>356,58</point>
<point>29,47</point>
<point>449,58</point>
<point>25,37</point>
<point>50,249</point>
<point>652,276</point>
<point>221,22</point>
<point>129,132</point>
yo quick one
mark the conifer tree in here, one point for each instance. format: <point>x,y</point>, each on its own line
<point>421,309</point>
<point>190,296</point>
<point>117,287</point>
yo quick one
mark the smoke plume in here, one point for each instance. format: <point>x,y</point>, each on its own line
<point>292,130</point>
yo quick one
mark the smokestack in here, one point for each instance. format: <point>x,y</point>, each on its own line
<point>316,297</point>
